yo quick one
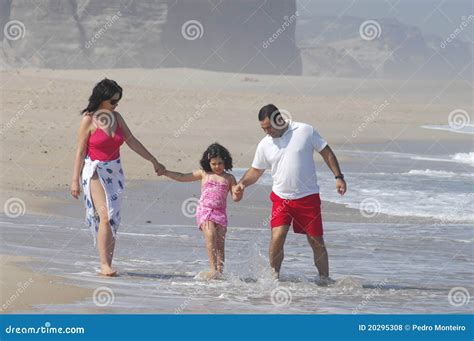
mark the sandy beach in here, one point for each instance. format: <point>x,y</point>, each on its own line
<point>374,126</point>
<point>23,288</point>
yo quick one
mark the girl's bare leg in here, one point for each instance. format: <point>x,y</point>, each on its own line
<point>221,231</point>
<point>210,234</point>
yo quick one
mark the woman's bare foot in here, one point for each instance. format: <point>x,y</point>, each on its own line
<point>107,271</point>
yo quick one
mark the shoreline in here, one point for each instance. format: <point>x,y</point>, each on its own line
<point>258,206</point>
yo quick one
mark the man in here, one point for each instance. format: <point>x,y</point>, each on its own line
<point>287,150</point>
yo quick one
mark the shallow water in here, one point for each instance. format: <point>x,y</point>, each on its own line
<point>413,180</point>
<point>379,268</point>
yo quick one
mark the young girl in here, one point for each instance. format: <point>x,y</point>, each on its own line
<point>211,215</point>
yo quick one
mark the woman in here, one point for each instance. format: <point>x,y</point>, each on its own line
<point>97,163</point>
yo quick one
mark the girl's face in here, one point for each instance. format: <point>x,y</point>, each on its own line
<point>217,165</point>
<point>110,104</point>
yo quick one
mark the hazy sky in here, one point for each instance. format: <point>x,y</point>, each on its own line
<point>445,16</point>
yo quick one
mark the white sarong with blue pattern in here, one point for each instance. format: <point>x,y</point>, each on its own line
<point>111,177</point>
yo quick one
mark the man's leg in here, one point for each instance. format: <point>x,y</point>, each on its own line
<point>275,253</point>
<point>320,255</point>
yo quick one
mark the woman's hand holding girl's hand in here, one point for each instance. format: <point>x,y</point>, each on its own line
<point>159,168</point>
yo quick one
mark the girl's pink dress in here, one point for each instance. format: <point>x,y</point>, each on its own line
<point>213,203</point>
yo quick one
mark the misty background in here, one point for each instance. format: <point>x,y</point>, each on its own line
<point>304,37</point>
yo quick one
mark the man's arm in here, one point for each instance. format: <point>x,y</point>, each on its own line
<point>331,160</point>
<point>250,177</point>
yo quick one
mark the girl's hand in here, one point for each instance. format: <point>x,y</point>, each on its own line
<point>75,189</point>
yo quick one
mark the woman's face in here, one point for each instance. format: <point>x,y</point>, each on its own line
<point>110,104</point>
<point>217,165</point>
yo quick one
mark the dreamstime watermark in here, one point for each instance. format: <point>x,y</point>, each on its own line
<point>189,207</point>
<point>287,22</point>
<point>14,208</point>
<point>103,296</point>
<point>369,208</point>
<point>16,117</point>
<point>458,119</point>
<point>48,89</point>
<point>14,30</point>
<point>200,110</point>
<point>281,296</point>
<point>466,21</point>
<point>369,119</point>
<point>188,300</point>
<point>370,30</point>
<point>459,296</point>
<point>453,216</point>
<point>374,293</point>
<point>104,118</point>
<point>110,21</point>
<point>46,329</point>
<point>278,210</point>
<point>280,119</point>
<point>192,30</point>
<point>18,292</point>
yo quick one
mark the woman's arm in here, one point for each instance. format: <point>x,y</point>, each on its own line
<point>137,147</point>
<point>182,177</point>
<point>236,196</point>
<point>82,137</point>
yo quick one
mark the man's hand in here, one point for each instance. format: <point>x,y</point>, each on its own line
<point>341,186</point>
<point>237,194</point>
<point>238,189</point>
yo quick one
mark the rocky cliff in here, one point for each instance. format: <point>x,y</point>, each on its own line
<point>224,35</point>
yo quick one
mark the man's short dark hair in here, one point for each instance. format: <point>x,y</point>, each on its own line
<point>267,111</point>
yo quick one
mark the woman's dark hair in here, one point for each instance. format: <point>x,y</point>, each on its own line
<point>103,91</point>
<point>267,111</point>
<point>216,150</point>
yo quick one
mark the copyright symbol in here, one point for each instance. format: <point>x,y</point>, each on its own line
<point>407,327</point>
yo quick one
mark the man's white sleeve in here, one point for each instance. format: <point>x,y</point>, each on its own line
<point>259,160</point>
<point>318,142</point>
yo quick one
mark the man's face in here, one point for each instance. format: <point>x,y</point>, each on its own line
<point>270,130</point>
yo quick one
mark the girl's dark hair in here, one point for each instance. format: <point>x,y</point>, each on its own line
<point>215,150</point>
<point>103,91</point>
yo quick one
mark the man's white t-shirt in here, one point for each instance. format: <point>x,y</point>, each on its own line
<point>290,159</point>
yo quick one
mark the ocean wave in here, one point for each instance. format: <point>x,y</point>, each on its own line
<point>466,129</point>
<point>463,158</point>
<point>437,173</point>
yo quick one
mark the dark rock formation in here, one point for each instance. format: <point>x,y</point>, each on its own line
<point>255,36</point>
<point>150,34</point>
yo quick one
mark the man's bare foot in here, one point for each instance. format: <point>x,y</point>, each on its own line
<point>210,275</point>
<point>324,281</point>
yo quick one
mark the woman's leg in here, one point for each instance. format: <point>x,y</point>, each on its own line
<point>210,234</point>
<point>105,239</point>
<point>220,243</point>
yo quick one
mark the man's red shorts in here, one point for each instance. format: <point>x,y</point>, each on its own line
<point>305,213</point>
